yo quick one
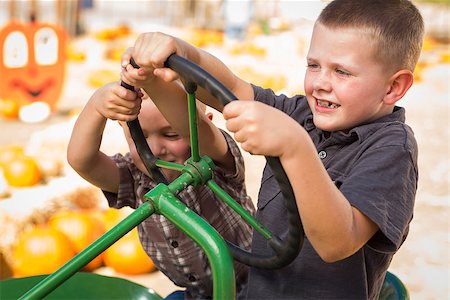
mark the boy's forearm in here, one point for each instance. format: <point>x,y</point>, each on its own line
<point>214,66</point>
<point>170,99</point>
<point>335,229</point>
<point>84,144</point>
<point>84,155</point>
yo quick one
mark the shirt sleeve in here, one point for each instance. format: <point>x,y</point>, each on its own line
<point>126,195</point>
<point>382,185</point>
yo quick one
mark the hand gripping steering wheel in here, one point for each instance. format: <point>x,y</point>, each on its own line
<point>284,252</point>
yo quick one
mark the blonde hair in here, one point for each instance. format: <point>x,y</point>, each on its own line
<point>396,27</point>
<point>200,105</point>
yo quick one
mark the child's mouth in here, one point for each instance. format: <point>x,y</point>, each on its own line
<point>327,104</point>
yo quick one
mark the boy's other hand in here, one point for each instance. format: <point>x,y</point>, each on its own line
<point>115,102</point>
<point>150,52</point>
<point>261,129</point>
<point>137,77</point>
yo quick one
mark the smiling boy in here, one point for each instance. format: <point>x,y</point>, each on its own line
<point>345,147</point>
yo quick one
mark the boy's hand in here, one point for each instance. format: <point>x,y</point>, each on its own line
<point>261,129</point>
<point>137,77</point>
<point>150,52</point>
<point>115,102</point>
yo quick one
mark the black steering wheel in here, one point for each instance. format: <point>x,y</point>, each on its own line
<point>284,251</point>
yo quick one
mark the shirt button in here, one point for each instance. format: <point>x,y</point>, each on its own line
<point>322,154</point>
<point>192,278</point>
<point>174,244</point>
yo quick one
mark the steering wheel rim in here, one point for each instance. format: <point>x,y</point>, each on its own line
<point>142,148</point>
<point>285,251</point>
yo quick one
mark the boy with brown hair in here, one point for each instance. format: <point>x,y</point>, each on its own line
<point>345,147</point>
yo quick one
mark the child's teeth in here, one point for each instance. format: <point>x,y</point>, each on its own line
<point>322,103</point>
<point>327,104</point>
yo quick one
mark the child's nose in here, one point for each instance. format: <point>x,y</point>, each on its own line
<point>157,148</point>
<point>322,81</point>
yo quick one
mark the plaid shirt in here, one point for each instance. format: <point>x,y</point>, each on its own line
<point>174,254</point>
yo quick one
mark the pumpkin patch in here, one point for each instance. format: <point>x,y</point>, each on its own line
<point>82,229</point>
<point>22,171</point>
<point>127,256</point>
<point>41,250</point>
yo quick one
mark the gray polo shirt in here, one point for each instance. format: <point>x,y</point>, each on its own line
<point>375,167</point>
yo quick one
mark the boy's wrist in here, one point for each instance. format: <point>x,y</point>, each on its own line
<point>297,144</point>
<point>95,108</point>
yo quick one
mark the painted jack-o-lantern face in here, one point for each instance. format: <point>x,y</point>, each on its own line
<point>32,63</point>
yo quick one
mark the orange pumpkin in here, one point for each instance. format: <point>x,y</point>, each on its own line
<point>9,152</point>
<point>82,229</point>
<point>9,109</point>
<point>22,171</point>
<point>112,216</point>
<point>41,250</point>
<point>127,256</point>
<point>32,62</point>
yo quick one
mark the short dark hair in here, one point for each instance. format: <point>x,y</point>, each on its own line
<point>396,26</point>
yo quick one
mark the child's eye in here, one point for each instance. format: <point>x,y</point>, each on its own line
<point>312,66</point>
<point>341,72</point>
<point>172,136</point>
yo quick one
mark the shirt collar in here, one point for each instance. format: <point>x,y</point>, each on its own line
<point>361,131</point>
<point>365,130</point>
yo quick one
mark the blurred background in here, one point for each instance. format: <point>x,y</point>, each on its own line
<point>55,53</point>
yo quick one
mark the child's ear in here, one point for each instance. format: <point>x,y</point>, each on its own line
<point>209,115</point>
<point>400,83</point>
